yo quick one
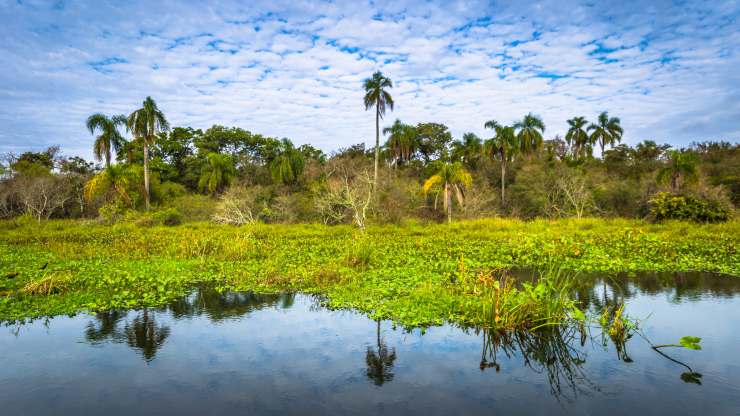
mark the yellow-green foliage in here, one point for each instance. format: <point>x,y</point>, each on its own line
<point>414,273</point>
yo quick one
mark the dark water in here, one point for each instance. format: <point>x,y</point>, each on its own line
<point>285,354</point>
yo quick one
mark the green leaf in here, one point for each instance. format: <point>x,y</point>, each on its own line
<point>690,342</point>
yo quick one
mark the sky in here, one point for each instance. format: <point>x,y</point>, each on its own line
<point>669,70</point>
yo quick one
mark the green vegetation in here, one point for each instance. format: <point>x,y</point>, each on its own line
<point>107,246</point>
<point>416,274</point>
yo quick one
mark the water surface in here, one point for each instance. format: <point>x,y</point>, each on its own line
<point>242,353</point>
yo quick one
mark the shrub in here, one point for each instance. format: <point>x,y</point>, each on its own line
<point>194,207</point>
<point>666,206</point>
<point>168,217</point>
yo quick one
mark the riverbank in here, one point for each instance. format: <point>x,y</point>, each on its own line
<point>416,274</point>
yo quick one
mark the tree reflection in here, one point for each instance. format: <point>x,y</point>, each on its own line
<point>105,327</point>
<point>380,361</point>
<point>549,351</point>
<point>145,335</point>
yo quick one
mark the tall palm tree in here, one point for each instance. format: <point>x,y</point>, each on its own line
<point>402,142</point>
<point>145,124</point>
<point>576,137</point>
<point>504,145</point>
<point>377,96</point>
<point>467,151</point>
<point>450,178</point>
<point>530,130</point>
<point>606,131</point>
<point>109,137</point>
<point>218,172</point>
<point>681,168</point>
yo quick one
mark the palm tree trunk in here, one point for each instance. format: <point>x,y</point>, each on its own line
<point>377,144</point>
<point>146,175</point>
<point>503,178</point>
<point>448,199</point>
<point>107,157</point>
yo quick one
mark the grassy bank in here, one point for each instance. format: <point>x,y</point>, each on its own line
<point>415,274</point>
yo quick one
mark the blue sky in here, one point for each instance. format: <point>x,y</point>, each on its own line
<point>669,70</point>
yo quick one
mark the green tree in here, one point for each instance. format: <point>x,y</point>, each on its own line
<point>680,168</point>
<point>120,178</point>
<point>218,172</point>
<point>504,145</point>
<point>606,131</point>
<point>450,178</point>
<point>402,142</point>
<point>145,124</point>
<point>376,95</point>
<point>287,165</point>
<point>577,138</point>
<point>530,131</point>
<point>468,151</point>
<point>433,140</point>
<point>110,138</point>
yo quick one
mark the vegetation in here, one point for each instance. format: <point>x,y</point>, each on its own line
<point>416,274</point>
<point>393,261</point>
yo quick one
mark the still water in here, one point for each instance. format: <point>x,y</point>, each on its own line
<point>240,353</point>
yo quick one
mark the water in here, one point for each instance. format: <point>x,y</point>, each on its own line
<point>285,354</point>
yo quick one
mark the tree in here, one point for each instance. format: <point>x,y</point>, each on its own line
<point>145,123</point>
<point>450,178</point>
<point>606,131</point>
<point>577,138</point>
<point>468,151</point>
<point>402,142</point>
<point>681,168</point>
<point>433,139</point>
<point>120,178</point>
<point>110,138</point>
<point>377,96</point>
<point>287,164</point>
<point>504,145</point>
<point>530,130</point>
<point>217,173</point>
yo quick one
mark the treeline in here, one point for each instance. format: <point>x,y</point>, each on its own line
<point>231,175</point>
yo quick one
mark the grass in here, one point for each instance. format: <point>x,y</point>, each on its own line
<point>415,274</point>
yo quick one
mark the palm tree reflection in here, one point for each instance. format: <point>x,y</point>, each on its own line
<point>380,361</point>
<point>145,335</point>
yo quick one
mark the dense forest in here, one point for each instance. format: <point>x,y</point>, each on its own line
<point>231,175</point>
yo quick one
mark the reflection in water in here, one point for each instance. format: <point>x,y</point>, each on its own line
<point>380,361</point>
<point>144,334</point>
<point>551,351</point>
<point>219,353</point>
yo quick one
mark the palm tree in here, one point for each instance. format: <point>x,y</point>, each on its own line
<point>468,151</point>
<point>681,168</point>
<point>145,123</point>
<point>531,128</point>
<point>377,96</point>
<point>504,145</point>
<point>402,141</point>
<point>577,136</point>
<point>288,164</point>
<point>218,172</point>
<point>120,178</point>
<point>109,137</point>
<point>450,177</point>
<point>606,131</point>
